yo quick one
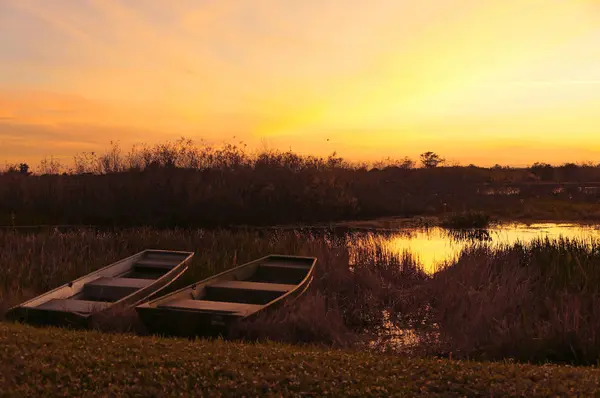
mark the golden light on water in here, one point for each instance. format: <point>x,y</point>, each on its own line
<point>434,246</point>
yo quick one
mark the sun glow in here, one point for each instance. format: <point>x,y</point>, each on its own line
<point>460,77</point>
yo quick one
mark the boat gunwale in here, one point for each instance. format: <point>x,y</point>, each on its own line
<point>177,270</point>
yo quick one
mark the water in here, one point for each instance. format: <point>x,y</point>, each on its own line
<point>434,246</point>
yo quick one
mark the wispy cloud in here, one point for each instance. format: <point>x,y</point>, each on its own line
<point>296,69</point>
<point>46,136</point>
<point>544,83</point>
<point>45,14</point>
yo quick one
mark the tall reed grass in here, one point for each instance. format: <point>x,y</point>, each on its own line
<point>349,293</point>
<point>531,302</point>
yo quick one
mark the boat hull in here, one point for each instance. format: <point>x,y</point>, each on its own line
<point>197,323</point>
<point>167,322</point>
<point>36,317</point>
<point>40,315</point>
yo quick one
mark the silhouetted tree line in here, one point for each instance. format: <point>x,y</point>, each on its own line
<point>21,168</point>
<point>180,184</point>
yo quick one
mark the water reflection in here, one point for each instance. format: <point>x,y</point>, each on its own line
<point>434,246</point>
<point>475,235</point>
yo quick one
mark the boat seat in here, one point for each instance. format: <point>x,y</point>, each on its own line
<point>246,285</point>
<point>281,272</point>
<point>156,264</point>
<point>176,258</point>
<point>288,265</point>
<point>112,289</point>
<point>246,291</point>
<point>241,309</point>
<point>71,305</point>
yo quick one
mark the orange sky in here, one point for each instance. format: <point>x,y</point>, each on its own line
<point>510,82</point>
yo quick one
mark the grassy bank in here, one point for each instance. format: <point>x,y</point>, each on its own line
<point>54,362</point>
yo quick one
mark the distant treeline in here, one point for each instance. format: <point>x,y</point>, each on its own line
<point>180,184</point>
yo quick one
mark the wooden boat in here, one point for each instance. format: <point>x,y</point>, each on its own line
<point>118,286</point>
<point>209,307</point>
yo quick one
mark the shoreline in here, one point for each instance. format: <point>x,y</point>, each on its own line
<point>388,223</point>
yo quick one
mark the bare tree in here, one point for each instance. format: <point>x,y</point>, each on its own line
<point>431,159</point>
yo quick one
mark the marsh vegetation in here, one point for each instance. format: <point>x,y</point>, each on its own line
<point>531,300</point>
<point>181,184</point>
<point>534,301</point>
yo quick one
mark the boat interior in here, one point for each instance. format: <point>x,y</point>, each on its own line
<point>243,290</point>
<point>101,291</point>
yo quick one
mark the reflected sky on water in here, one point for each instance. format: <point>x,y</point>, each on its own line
<point>434,246</point>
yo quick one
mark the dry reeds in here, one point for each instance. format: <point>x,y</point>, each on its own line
<point>533,302</point>
<point>348,295</point>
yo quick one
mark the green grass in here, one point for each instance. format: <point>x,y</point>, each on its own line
<point>55,362</point>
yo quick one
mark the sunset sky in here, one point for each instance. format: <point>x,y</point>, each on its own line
<point>485,82</point>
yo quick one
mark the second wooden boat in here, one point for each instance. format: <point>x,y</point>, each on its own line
<point>118,286</point>
<point>210,307</point>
